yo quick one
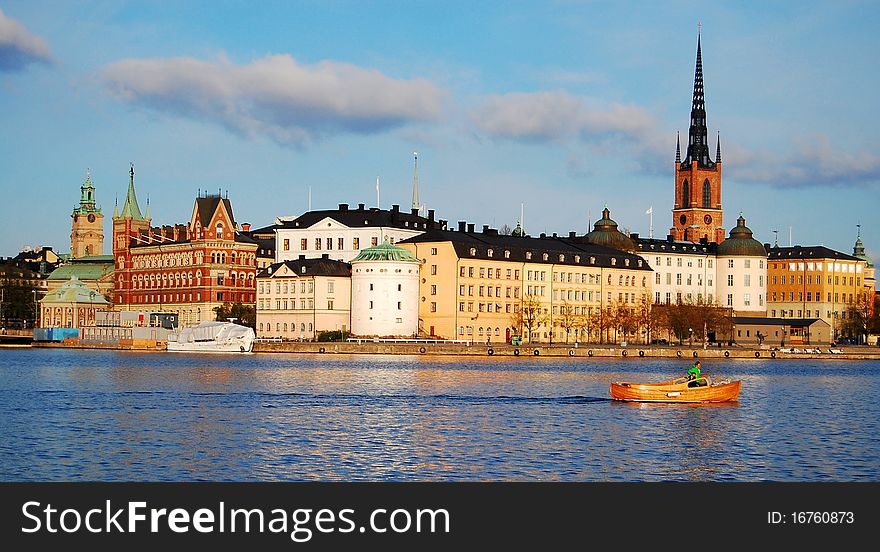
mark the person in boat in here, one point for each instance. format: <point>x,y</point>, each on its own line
<point>695,374</point>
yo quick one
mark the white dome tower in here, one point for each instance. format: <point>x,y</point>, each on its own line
<point>385,292</point>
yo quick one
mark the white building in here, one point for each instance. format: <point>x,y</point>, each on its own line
<point>385,292</point>
<point>742,272</point>
<point>343,233</point>
<point>683,271</point>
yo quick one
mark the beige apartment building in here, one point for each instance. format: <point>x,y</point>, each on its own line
<point>299,299</point>
<point>473,284</point>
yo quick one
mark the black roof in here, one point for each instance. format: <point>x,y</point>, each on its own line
<point>322,266</point>
<point>207,206</point>
<point>574,251</point>
<point>669,245</point>
<point>807,252</point>
<point>365,217</point>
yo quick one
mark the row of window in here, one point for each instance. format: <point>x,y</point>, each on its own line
<point>328,243</point>
<point>169,260</point>
<point>305,286</point>
<point>789,313</point>
<point>188,297</point>
<point>690,262</point>
<point>286,328</point>
<point>838,297</point>
<point>818,280</point>
<point>178,279</point>
<point>820,267</point>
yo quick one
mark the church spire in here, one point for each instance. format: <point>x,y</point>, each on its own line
<point>677,147</point>
<point>130,209</point>
<point>415,193</point>
<point>698,143</point>
<point>718,149</point>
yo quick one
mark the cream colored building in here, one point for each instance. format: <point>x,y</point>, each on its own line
<point>299,299</point>
<point>73,305</point>
<point>474,283</point>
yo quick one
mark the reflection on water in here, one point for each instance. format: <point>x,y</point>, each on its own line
<point>106,415</point>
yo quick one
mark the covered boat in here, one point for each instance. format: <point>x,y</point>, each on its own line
<point>680,390</point>
<point>213,337</point>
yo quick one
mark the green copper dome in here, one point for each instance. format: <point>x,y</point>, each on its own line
<point>605,233</point>
<point>74,291</point>
<point>386,252</point>
<point>741,243</point>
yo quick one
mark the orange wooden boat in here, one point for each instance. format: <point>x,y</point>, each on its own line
<point>677,391</point>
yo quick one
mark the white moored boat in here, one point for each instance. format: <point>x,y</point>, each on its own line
<point>213,337</point>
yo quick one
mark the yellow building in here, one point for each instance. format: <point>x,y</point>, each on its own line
<point>815,282</point>
<point>477,286</point>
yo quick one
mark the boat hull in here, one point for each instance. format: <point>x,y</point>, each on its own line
<point>675,392</point>
<point>212,337</point>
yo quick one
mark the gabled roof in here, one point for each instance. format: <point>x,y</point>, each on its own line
<point>208,205</point>
<point>308,267</point>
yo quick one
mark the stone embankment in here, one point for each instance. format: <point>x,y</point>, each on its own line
<point>558,350</point>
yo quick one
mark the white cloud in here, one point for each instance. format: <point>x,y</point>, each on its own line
<point>19,47</point>
<point>275,96</point>
<point>558,115</point>
<point>814,164</point>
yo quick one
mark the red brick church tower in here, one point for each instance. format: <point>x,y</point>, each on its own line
<point>697,213</point>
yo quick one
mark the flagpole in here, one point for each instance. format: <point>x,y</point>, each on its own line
<point>379,205</point>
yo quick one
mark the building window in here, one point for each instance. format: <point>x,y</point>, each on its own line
<point>371,304</point>
<point>747,279</point>
<point>317,244</point>
<point>331,286</point>
<point>729,299</point>
<point>433,270</point>
<point>287,244</point>
<point>356,243</point>
<point>433,251</point>
<point>374,241</point>
<point>730,263</point>
<point>730,280</point>
<point>433,290</point>
<point>340,244</point>
<point>747,299</point>
<point>433,307</point>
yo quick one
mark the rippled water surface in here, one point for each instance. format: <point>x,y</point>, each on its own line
<point>107,416</point>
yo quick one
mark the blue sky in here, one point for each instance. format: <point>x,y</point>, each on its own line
<point>561,106</point>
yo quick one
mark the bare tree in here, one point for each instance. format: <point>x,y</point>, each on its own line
<point>567,319</point>
<point>505,230</point>
<point>530,315</point>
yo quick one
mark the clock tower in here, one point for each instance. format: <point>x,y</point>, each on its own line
<point>87,232</point>
<point>697,213</point>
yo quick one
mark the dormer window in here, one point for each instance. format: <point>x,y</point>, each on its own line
<point>561,258</point>
<point>545,256</point>
<point>528,255</point>
<point>219,231</point>
<point>490,252</point>
<point>473,251</point>
<point>577,258</point>
<point>506,254</point>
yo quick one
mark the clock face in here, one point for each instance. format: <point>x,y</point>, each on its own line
<point>707,219</point>
<point>91,217</point>
<point>682,219</point>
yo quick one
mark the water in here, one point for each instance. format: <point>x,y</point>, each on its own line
<point>121,416</point>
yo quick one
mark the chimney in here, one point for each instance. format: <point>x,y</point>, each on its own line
<point>431,215</point>
<point>395,208</point>
<point>470,228</point>
<point>302,257</point>
<point>414,211</point>
<point>325,255</point>
<point>669,238</point>
<point>572,234</point>
<point>461,225</point>
<point>360,206</point>
<point>343,206</point>
<point>634,235</point>
<point>543,235</point>
<point>245,227</point>
<point>554,235</point>
<point>485,228</point>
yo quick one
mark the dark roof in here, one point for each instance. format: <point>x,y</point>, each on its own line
<point>760,321</point>
<point>313,267</point>
<point>363,217</point>
<point>807,252</point>
<point>519,247</point>
<point>741,243</point>
<point>207,206</point>
<point>653,245</point>
<point>264,231</point>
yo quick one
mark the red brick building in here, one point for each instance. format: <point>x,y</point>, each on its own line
<point>697,213</point>
<point>188,269</point>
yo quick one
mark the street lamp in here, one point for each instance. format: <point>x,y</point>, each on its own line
<point>691,336</point>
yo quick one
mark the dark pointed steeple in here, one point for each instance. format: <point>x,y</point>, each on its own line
<point>718,150</point>
<point>677,147</point>
<point>698,142</point>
